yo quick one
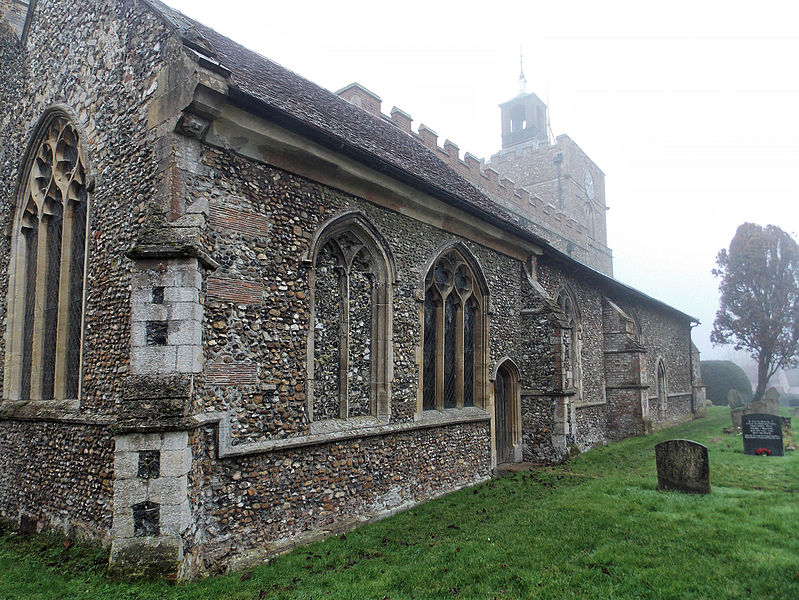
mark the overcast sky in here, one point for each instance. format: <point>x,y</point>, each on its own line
<point>690,108</point>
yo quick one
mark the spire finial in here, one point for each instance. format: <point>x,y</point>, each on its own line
<point>522,78</point>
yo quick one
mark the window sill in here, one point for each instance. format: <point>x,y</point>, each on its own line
<point>590,404</point>
<point>337,425</point>
<point>449,416</point>
<point>452,416</point>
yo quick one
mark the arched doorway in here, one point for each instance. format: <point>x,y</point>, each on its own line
<point>507,413</point>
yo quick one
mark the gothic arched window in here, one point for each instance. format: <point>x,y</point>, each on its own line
<point>662,390</point>
<point>349,345</point>
<point>454,340</point>
<point>48,268</point>
<point>572,351</point>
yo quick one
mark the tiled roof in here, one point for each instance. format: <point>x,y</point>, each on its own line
<point>280,88</point>
<point>374,139</point>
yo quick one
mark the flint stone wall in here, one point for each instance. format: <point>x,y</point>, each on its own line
<point>251,506</point>
<point>58,475</point>
<point>261,343</point>
<point>102,73</point>
<point>666,337</point>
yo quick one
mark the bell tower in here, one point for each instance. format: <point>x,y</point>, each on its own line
<point>524,119</point>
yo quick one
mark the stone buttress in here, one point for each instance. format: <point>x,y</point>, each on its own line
<point>153,457</point>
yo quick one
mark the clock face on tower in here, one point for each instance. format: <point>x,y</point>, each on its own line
<point>589,185</point>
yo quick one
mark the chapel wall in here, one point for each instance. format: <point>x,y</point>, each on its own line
<point>98,63</point>
<point>258,505</point>
<point>589,300</point>
<point>584,418</point>
<point>87,61</point>
<point>257,303</point>
<point>666,338</point>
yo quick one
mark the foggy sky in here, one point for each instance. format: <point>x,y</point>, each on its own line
<point>691,110</point>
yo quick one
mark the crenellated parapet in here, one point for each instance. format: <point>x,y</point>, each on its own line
<point>573,230</point>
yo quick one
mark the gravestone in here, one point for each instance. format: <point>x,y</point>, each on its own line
<point>737,414</point>
<point>683,466</point>
<point>762,434</point>
<point>734,398</point>
<point>769,404</point>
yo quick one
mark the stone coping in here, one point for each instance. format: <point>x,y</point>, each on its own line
<point>590,404</point>
<point>426,420</point>
<point>550,393</point>
<point>674,395</point>
<point>60,411</point>
<point>628,386</point>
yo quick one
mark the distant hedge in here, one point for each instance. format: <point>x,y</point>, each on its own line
<point>791,400</point>
<point>722,375</point>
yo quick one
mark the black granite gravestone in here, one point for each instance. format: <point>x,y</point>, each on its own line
<point>683,466</point>
<point>762,434</point>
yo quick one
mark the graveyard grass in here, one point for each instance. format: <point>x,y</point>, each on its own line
<point>595,527</point>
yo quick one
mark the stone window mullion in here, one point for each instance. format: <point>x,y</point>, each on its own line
<point>344,342</point>
<point>375,351</point>
<point>26,310</point>
<point>40,300</point>
<point>64,284</point>
<point>459,355</point>
<point>439,353</point>
<point>481,355</point>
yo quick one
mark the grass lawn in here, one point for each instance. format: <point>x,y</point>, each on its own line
<point>594,528</point>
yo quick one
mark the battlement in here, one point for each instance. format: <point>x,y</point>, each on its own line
<point>550,221</point>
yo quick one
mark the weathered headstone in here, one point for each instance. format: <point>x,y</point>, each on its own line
<point>769,404</point>
<point>683,466</point>
<point>772,400</point>
<point>762,434</point>
<point>734,398</point>
<point>736,414</point>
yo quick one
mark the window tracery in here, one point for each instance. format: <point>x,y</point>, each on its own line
<point>572,341</point>
<point>48,264</point>
<point>453,337</point>
<point>349,372</point>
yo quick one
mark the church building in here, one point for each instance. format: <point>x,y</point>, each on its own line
<point>242,312</point>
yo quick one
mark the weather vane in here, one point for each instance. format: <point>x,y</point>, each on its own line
<point>522,78</point>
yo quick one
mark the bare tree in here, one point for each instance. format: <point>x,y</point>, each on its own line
<point>759,306</point>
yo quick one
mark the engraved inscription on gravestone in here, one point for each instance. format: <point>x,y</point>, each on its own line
<point>683,466</point>
<point>762,434</point>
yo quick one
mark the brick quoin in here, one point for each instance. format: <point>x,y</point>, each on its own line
<point>225,216</point>
<point>240,291</point>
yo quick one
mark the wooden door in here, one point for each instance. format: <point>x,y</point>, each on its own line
<point>502,406</point>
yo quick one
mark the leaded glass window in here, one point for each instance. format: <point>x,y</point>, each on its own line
<point>452,336</point>
<point>46,300</point>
